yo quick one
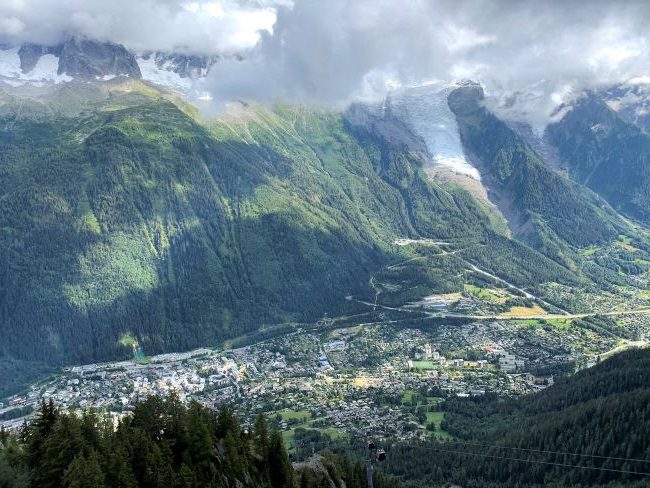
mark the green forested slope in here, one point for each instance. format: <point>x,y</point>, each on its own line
<point>122,212</point>
<point>130,216</point>
<point>607,154</point>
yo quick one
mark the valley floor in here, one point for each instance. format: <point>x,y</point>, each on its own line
<point>341,380</point>
<point>388,367</point>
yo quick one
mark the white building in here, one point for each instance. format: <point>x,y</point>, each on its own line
<point>508,362</point>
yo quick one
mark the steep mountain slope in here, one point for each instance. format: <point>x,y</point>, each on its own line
<point>543,208</point>
<point>425,111</point>
<point>173,68</point>
<point>87,59</point>
<point>606,153</point>
<point>630,100</point>
<point>129,216</point>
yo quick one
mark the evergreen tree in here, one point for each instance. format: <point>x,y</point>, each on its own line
<point>62,446</point>
<point>200,444</point>
<point>119,473</point>
<point>261,435</point>
<point>84,472</point>
<point>163,444</point>
<point>36,434</point>
<point>13,471</point>
<point>280,469</point>
<point>307,479</point>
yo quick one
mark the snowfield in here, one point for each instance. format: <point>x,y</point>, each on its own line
<point>162,76</point>
<point>45,70</point>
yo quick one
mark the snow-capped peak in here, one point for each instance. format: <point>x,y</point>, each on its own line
<point>76,58</point>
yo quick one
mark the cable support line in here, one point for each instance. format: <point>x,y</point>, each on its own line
<point>537,461</point>
<point>563,453</point>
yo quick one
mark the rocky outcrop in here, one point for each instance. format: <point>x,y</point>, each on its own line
<point>467,98</point>
<point>88,59</point>
<point>30,54</point>
<point>84,59</point>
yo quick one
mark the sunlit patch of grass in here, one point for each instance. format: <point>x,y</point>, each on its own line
<point>524,311</point>
<point>407,396</point>
<point>589,251</point>
<point>424,364</point>
<point>493,295</point>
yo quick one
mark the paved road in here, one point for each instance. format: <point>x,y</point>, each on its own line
<point>638,311</point>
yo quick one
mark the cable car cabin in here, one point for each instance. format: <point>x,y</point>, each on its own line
<point>381,455</point>
<point>371,445</point>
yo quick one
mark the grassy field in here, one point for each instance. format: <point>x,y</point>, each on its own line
<point>436,418</point>
<point>589,251</point>
<point>488,294</point>
<point>289,435</point>
<point>524,311</point>
<point>560,323</point>
<point>295,414</point>
<point>424,364</point>
<point>557,323</point>
<point>407,396</point>
<point>302,416</point>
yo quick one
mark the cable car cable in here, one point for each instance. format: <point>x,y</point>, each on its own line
<point>537,461</point>
<point>563,453</point>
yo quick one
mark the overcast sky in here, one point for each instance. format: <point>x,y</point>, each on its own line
<point>530,55</point>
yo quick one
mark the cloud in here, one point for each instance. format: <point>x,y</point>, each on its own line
<point>202,26</point>
<point>530,55</point>
<point>329,52</point>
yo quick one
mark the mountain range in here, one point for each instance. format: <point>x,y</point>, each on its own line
<point>84,59</point>
<point>124,211</point>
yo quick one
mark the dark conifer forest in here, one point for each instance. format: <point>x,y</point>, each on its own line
<point>162,444</point>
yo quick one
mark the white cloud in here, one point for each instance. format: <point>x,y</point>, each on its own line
<point>11,26</point>
<point>202,26</point>
<point>458,39</point>
<point>530,55</point>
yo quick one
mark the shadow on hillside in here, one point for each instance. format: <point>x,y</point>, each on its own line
<point>180,207</point>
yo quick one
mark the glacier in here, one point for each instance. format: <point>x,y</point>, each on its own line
<point>424,110</point>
